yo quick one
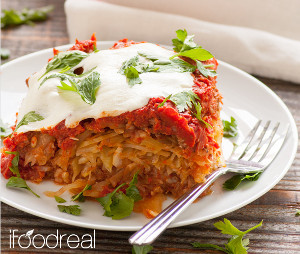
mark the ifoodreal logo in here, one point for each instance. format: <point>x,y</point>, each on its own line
<point>51,241</point>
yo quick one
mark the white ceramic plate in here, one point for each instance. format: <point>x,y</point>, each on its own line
<point>245,98</point>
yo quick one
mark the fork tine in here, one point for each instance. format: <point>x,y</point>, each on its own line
<point>244,146</point>
<point>269,141</point>
<point>274,146</point>
<point>256,145</point>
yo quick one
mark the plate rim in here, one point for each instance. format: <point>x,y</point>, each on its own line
<point>293,133</point>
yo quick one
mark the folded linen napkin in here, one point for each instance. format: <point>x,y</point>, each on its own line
<point>242,35</point>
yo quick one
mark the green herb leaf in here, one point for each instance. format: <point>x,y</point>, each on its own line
<point>11,18</point>
<point>297,212</point>
<point>30,117</point>
<point>88,87</point>
<point>185,46</point>
<point>195,54</point>
<point>14,163</point>
<point>184,100</point>
<point>5,130</point>
<point>81,75</point>
<point>26,16</point>
<point>65,69</point>
<point>183,41</point>
<point>95,49</point>
<point>132,76</point>
<point>5,53</point>
<point>127,64</point>
<point>182,65</point>
<point>144,249</point>
<point>71,209</point>
<point>204,71</point>
<point>235,181</point>
<point>132,191</point>
<point>160,64</point>
<point>57,75</point>
<point>59,199</point>
<point>79,197</point>
<point>230,128</point>
<point>227,228</point>
<point>106,201</point>
<point>18,182</point>
<point>150,57</point>
<point>163,102</point>
<point>118,205</point>
<point>236,244</point>
<point>65,59</point>
<point>66,87</point>
<point>198,109</point>
<point>208,246</point>
<point>255,227</point>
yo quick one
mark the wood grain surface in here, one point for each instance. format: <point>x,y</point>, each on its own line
<point>280,232</point>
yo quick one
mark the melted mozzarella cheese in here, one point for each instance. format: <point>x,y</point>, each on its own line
<point>114,95</point>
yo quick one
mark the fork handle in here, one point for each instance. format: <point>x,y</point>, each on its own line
<point>148,233</point>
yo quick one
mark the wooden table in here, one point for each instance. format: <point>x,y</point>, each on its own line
<point>280,232</point>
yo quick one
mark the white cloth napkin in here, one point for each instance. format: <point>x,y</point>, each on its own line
<point>260,37</point>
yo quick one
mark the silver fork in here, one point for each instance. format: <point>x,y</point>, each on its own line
<point>253,155</point>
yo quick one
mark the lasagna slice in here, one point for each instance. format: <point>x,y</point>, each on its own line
<point>100,117</point>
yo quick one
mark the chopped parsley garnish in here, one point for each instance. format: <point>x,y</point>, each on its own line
<point>14,163</point>
<point>133,67</point>
<point>144,249</point>
<point>79,197</point>
<point>65,59</point>
<point>86,87</point>
<point>132,191</point>
<point>26,16</point>
<point>236,244</point>
<point>235,181</point>
<point>65,69</point>
<point>163,102</point>
<point>187,100</point>
<point>61,76</point>
<point>132,76</point>
<point>197,114</point>
<point>119,205</point>
<point>5,130</point>
<point>185,46</point>
<point>70,209</point>
<point>160,64</point>
<point>30,117</point>
<point>59,199</point>
<point>230,128</point>
<point>95,49</point>
<point>184,100</point>
<point>17,181</point>
<point>205,71</point>
<point>132,62</point>
<point>128,68</point>
<point>5,53</point>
